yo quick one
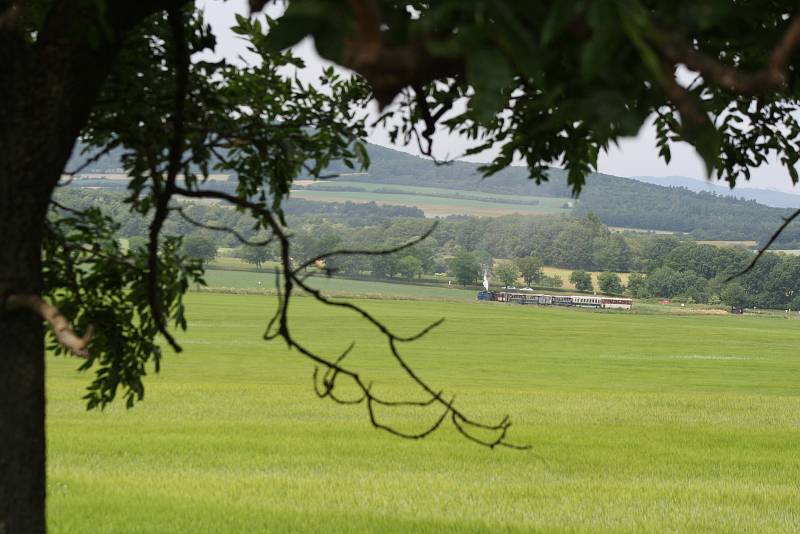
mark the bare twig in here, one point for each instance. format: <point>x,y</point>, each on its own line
<point>239,237</point>
<point>93,159</point>
<point>325,384</point>
<point>67,209</point>
<point>687,104</point>
<point>58,323</point>
<point>430,120</point>
<point>357,252</point>
<point>175,156</point>
<point>786,222</point>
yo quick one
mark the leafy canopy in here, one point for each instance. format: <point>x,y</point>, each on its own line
<point>557,82</point>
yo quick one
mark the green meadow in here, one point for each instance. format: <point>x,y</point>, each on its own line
<point>249,280</point>
<point>637,423</point>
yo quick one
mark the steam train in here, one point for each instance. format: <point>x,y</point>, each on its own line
<point>579,301</point>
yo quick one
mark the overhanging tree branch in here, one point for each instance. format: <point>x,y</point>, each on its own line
<point>786,222</point>
<point>771,77</point>
<point>59,324</point>
<point>181,60</point>
<point>278,327</point>
<point>355,252</point>
<point>239,237</point>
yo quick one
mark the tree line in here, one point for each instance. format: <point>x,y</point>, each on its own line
<point>662,266</point>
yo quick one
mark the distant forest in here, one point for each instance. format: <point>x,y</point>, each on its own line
<point>617,201</point>
<point>673,267</point>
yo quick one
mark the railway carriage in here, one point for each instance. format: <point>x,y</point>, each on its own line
<point>584,301</point>
<point>617,303</point>
<point>580,301</point>
<point>562,300</point>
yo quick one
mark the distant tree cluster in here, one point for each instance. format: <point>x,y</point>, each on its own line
<point>582,280</point>
<point>694,272</point>
<point>664,266</point>
<point>621,202</point>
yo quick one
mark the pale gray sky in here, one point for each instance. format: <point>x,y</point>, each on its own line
<point>635,156</point>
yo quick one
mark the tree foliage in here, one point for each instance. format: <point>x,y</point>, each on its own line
<point>530,268</point>
<point>200,247</point>
<point>409,267</point>
<point>591,73</point>
<point>610,283</point>
<point>582,281</point>
<point>637,286</point>
<point>465,267</point>
<point>254,254</point>
<point>506,273</point>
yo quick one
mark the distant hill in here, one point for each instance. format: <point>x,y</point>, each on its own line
<point>617,201</point>
<point>776,199</point>
<point>390,166</point>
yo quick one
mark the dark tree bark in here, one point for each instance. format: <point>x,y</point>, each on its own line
<point>22,439</point>
<point>47,91</point>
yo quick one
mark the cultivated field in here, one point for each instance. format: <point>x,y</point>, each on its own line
<point>564,274</point>
<point>553,202</point>
<point>638,423</point>
<point>436,206</point>
<point>746,244</point>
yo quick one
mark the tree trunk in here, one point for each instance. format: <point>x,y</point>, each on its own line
<point>22,436</point>
<point>40,119</point>
<point>23,203</point>
<point>47,92</point>
<point>22,458</point>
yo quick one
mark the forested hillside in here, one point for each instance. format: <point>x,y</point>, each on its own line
<point>631,204</point>
<point>617,201</point>
<point>768,197</point>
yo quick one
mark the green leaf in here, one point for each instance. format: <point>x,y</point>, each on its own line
<point>489,73</point>
<point>298,21</point>
<point>363,155</point>
<point>557,18</point>
<point>706,140</point>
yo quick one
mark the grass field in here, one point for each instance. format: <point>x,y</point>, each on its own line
<point>231,277</point>
<point>435,206</point>
<point>638,423</point>
<point>340,286</point>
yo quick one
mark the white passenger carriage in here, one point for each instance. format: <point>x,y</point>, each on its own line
<point>584,301</point>
<point>617,303</point>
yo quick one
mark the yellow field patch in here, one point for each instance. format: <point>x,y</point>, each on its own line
<point>564,274</point>
<point>748,244</point>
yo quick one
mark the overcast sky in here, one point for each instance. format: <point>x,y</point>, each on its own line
<point>634,157</point>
